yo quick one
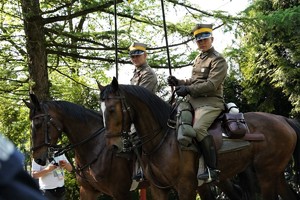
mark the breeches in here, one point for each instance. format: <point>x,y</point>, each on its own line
<point>204,117</point>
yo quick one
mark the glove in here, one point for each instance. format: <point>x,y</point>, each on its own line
<point>182,90</point>
<point>172,81</point>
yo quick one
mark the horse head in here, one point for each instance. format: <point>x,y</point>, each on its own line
<point>116,115</point>
<point>44,130</point>
<point>124,105</point>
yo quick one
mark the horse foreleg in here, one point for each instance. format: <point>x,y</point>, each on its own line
<point>205,192</point>
<point>268,186</point>
<point>234,192</point>
<point>187,191</point>
<point>159,194</point>
<point>86,194</point>
<point>285,191</point>
<point>125,195</point>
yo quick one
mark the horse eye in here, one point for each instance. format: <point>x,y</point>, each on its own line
<point>37,123</point>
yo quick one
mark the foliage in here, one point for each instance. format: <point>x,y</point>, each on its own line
<point>268,56</point>
<point>80,44</point>
<point>71,185</point>
<point>80,48</point>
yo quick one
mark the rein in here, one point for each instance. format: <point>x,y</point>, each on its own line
<point>157,146</point>
<point>72,146</point>
<point>69,147</point>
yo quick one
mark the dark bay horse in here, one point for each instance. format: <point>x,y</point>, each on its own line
<point>98,169</point>
<point>167,166</point>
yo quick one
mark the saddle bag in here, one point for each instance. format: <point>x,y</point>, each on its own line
<point>234,125</point>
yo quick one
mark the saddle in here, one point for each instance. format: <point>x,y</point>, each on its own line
<point>229,130</point>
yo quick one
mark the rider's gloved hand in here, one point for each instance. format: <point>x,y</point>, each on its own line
<point>182,90</point>
<point>172,81</point>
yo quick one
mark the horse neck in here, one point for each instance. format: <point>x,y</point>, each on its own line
<point>148,128</point>
<point>78,130</point>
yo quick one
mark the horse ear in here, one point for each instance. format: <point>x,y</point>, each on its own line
<point>101,87</point>
<point>34,101</point>
<point>115,84</point>
<point>28,104</point>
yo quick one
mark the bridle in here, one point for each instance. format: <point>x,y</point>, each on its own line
<point>49,121</point>
<point>54,150</point>
<point>125,130</point>
<point>125,135</point>
<point>125,109</point>
<point>57,148</point>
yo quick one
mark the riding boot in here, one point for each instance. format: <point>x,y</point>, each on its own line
<point>210,158</point>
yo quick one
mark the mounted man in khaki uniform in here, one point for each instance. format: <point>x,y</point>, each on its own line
<point>144,76</point>
<point>204,91</point>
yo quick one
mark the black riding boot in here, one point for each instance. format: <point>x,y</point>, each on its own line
<point>210,158</point>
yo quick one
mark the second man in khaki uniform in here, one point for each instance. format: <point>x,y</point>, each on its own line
<point>144,76</point>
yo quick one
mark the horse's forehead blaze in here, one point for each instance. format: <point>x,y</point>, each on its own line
<point>103,107</point>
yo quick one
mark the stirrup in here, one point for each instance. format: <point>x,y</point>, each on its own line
<point>139,177</point>
<point>213,175</point>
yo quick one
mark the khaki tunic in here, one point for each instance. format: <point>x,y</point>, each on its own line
<point>206,89</point>
<point>145,76</point>
<point>206,84</point>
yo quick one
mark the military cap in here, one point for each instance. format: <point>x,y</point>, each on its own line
<point>137,48</point>
<point>202,31</point>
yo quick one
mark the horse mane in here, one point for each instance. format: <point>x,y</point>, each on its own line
<point>160,109</point>
<point>72,109</point>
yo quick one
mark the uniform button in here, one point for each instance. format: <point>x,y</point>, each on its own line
<point>194,73</point>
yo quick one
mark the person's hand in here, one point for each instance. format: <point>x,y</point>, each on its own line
<point>172,81</point>
<point>63,163</point>
<point>182,90</point>
<point>51,167</point>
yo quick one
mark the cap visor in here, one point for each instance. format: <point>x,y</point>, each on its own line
<point>136,52</point>
<point>202,36</point>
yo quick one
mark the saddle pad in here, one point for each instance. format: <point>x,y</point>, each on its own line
<point>233,145</point>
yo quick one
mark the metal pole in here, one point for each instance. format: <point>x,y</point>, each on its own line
<point>116,37</point>
<point>166,36</point>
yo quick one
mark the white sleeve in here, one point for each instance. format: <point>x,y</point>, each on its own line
<point>35,166</point>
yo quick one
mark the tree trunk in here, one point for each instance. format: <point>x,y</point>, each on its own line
<point>36,48</point>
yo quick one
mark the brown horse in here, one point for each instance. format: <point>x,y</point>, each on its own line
<point>167,166</point>
<point>98,170</point>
